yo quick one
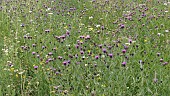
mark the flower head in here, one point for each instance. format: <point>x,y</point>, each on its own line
<point>124,63</point>
<point>36,67</point>
<point>33,53</point>
<point>124,51</point>
<point>110,55</point>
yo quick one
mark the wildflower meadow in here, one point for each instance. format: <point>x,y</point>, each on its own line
<point>84,48</point>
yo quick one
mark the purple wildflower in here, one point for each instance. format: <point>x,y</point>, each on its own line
<point>124,51</point>
<point>35,67</point>
<point>59,57</point>
<point>96,57</point>
<point>22,47</point>
<point>43,47</point>
<point>125,47</point>
<point>65,63</point>
<point>54,49</point>
<point>158,54</point>
<point>104,50</point>
<point>155,80</point>
<point>130,40</point>
<point>77,46</point>
<point>122,26</point>
<point>95,65</point>
<point>110,55</point>
<point>22,25</point>
<point>82,37</point>
<point>47,31</point>
<point>33,53</point>
<point>123,63</point>
<point>57,73</point>
<point>161,60</point>
<point>82,52</point>
<point>100,46</point>
<point>38,56</point>
<point>50,59</point>
<point>165,63</point>
<point>46,61</point>
<point>33,45</point>
<point>87,37</point>
<point>68,61</point>
<point>50,53</point>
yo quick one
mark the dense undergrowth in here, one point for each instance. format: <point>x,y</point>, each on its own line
<point>84,47</point>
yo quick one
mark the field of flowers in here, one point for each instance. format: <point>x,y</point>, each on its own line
<point>84,48</point>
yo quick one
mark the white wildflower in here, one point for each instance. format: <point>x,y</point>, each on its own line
<point>91,17</point>
<point>166,30</point>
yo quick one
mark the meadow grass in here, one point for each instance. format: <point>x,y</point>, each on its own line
<point>84,48</point>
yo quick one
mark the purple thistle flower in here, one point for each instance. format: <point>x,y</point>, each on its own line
<point>38,56</point>
<point>54,49</point>
<point>68,61</point>
<point>124,51</point>
<point>76,55</point>
<point>33,45</point>
<point>104,50</point>
<point>123,63</point>
<point>143,24</point>
<point>82,37</point>
<point>35,67</point>
<point>110,55</point>
<point>95,65</point>
<point>158,54</point>
<point>125,47</point>
<point>96,57</point>
<point>47,31</point>
<point>109,47</point>
<point>63,36</point>
<point>22,47</point>
<point>87,37</point>
<point>102,27</point>
<point>100,46</point>
<point>68,33</point>
<point>50,59</point>
<point>165,63</point>
<point>22,25</point>
<point>25,36</point>
<point>43,47</point>
<point>82,52</point>
<point>57,73</point>
<point>122,26</point>
<point>46,61</point>
<point>77,46</point>
<point>59,57</point>
<point>130,40</point>
<point>161,60</point>
<point>33,53</point>
<point>65,63</point>
<point>10,65</point>
<point>143,15</point>
<point>50,53</point>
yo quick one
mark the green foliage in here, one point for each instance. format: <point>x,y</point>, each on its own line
<point>84,47</point>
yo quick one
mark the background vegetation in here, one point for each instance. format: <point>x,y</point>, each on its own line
<point>84,47</point>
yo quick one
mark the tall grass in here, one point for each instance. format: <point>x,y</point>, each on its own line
<point>84,47</point>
